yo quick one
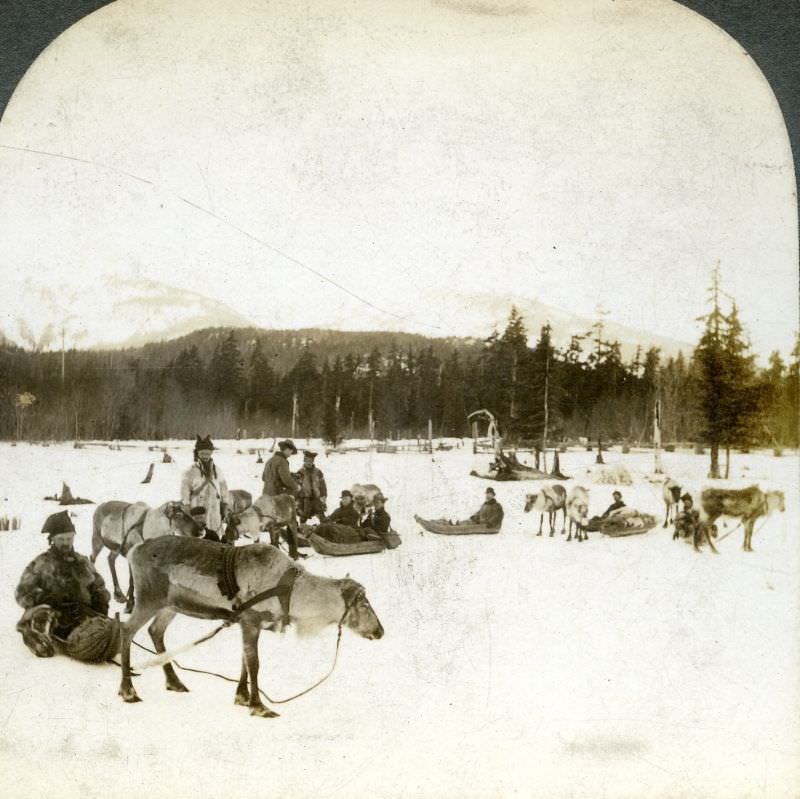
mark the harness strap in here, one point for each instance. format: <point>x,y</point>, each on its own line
<point>282,590</point>
<point>125,533</point>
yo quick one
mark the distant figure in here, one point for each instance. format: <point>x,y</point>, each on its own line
<point>614,506</point>
<point>277,475</point>
<point>490,514</point>
<point>378,519</point>
<point>313,491</point>
<point>688,520</point>
<point>204,485</point>
<point>346,513</point>
<point>59,589</point>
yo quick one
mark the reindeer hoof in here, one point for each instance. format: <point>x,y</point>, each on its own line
<point>263,711</point>
<point>120,597</point>
<point>177,686</point>
<point>129,694</point>
<point>241,699</point>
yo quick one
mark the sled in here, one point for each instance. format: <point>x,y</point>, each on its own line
<point>622,526</point>
<point>391,539</point>
<point>441,527</point>
<point>326,547</point>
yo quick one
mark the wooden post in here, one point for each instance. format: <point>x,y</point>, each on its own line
<point>657,433</point>
<point>294,414</point>
<point>474,437</point>
<point>430,434</point>
<point>546,413</point>
<point>599,458</point>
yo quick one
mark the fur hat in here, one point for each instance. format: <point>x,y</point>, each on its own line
<point>203,443</point>
<point>686,497</point>
<point>309,454</point>
<point>347,493</point>
<point>57,523</point>
<point>198,510</point>
<point>616,494</point>
<point>490,490</point>
<point>288,444</point>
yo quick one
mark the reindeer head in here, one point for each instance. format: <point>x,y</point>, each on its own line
<point>776,501</point>
<point>359,615</point>
<point>181,522</point>
<point>530,502</point>
<point>248,523</point>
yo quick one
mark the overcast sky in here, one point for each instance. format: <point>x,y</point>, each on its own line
<point>372,164</point>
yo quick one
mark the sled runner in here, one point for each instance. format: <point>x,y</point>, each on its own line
<point>326,547</point>
<point>443,527</point>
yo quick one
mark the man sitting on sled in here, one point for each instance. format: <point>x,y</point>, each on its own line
<point>65,599</point>
<point>343,526</point>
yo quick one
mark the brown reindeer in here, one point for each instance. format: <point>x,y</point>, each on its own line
<point>671,492</point>
<point>549,500</point>
<point>747,504</point>
<point>265,591</point>
<point>120,526</point>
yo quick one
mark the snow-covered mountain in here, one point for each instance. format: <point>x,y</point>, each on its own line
<point>112,313</point>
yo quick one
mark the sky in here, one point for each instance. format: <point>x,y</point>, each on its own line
<point>363,164</point>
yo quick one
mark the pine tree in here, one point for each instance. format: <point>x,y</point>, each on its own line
<point>710,358</point>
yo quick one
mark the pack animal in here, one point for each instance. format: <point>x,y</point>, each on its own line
<point>747,504</point>
<point>181,575</point>
<point>550,500</point>
<point>272,515</point>
<point>578,512</point>
<point>120,526</point>
<point>671,492</point>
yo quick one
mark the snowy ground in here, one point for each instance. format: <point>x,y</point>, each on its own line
<point>512,665</point>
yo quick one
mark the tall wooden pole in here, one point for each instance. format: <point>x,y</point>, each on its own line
<point>294,414</point>
<point>657,427</point>
<point>546,412</point>
<point>430,434</point>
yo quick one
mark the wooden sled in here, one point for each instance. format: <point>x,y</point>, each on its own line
<point>617,528</point>
<point>445,528</point>
<point>326,547</point>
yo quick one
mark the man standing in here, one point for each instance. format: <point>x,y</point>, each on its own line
<point>59,585</point>
<point>204,486</point>
<point>313,491</point>
<point>277,475</point>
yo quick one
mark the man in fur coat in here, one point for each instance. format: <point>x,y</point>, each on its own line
<point>313,497</point>
<point>203,485</point>
<point>61,586</point>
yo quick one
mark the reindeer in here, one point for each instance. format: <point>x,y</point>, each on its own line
<point>549,500</point>
<point>266,590</point>
<point>120,526</point>
<point>267,514</point>
<point>671,492</point>
<point>747,504</point>
<point>577,509</point>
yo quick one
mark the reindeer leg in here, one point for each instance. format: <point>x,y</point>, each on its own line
<point>551,517</point>
<point>250,640</point>
<point>131,595</point>
<point>563,519</point>
<point>129,629</point>
<point>112,557</point>
<point>291,538</point>
<point>156,630</point>
<point>242,693</point>
<point>748,535</point>
<point>569,537</point>
<point>541,519</point>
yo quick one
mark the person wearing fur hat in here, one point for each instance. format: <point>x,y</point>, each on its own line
<point>204,485</point>
<point>277,475</point>
<point>60,585</point>
<point>313,500</point>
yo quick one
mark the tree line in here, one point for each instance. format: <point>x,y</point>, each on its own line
<point>224,382</point>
